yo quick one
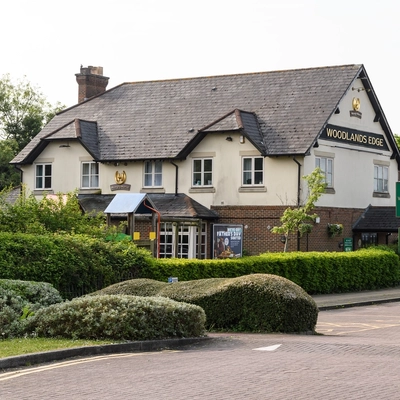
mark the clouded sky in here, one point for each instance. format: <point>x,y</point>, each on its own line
<point>134,40</point>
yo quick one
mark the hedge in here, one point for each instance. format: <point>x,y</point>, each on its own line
<point>74,264</point>
<point>327,272</point>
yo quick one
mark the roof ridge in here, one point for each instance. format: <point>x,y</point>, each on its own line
<point>235,74</point>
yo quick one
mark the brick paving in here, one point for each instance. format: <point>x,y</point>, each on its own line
<point>355,356</point>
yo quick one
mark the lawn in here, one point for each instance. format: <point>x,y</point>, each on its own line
<point>21,346</point>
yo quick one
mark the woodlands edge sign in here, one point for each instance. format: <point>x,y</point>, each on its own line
<point>355,137</point>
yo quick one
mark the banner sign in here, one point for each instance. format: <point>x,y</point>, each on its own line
<point>228,240</point>
<point>353,136</point>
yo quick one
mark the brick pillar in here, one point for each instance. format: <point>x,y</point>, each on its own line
<point>91,82</point>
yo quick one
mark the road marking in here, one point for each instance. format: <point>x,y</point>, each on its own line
<point>268,348</point>
<point>16,374</point>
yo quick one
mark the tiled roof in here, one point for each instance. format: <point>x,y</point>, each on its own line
<point>158,119</point>
<point>169,205</point>
<point>378,219</point>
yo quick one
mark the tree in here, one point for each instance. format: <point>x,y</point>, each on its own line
<point>297,220</point>
<point>23,110</point>
<point>23,113</point>
<point>9,175</point>
<point>397,138</point>
<point>60,213</point>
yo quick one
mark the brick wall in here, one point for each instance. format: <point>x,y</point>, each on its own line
<point>258,220</point>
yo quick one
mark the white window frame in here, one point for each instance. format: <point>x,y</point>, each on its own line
<point>381,178</point>
<point>44,177</point>
<point>249,175</point>
<point>152,173</point>
<point>90,175</point>
<point>325,164</point>
<point>202,177</point>
<point>187,237</point>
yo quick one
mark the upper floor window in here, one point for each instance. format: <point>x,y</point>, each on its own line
<point>326,166</point>
<point>90,175</point>
<point>381,174</point>
<point>153,173</point>
<point>253,171</point>
<point>43,176</point>
<point>202,172</point>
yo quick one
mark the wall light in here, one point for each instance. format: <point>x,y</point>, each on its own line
<point>317,220</point>
<point>229,139</point>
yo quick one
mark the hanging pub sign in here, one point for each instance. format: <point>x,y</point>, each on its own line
<point>354,137</point>
<point>228,240</point>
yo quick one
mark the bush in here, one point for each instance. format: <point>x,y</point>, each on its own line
<point>40,293</point>
<point>74,264</point>
<point>18,300</point>
<point>256,303</point>
<point>315,272</point>
<point>119,317</point>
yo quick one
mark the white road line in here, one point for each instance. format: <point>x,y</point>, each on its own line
<point>268,348</point>
<point>34,370</point>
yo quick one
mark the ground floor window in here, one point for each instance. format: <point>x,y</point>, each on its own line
<point>369,239</point>
<point>180,240</point>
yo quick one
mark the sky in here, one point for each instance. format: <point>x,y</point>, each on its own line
<point>46,41</point>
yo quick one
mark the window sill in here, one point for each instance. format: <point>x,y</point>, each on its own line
<point>252,189</point>
<point>202,189</point>
<point>330,190</point>
<point>37,192</point>
<point>89,191</point>
<point>381,195</point>
<point>152,190</point>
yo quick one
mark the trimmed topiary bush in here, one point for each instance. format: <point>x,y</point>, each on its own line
<point>119,317</point>
<point>255,303</point>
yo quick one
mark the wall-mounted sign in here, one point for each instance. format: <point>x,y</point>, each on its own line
<point>354,137</point>
<point>348,244</point>
<point>228,240</point>
<point>356,104</point>
<point>120,178</point>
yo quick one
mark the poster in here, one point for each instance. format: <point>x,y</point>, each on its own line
<point>227,240</point>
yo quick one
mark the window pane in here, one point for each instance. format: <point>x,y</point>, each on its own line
<point>47,182</point>
<point>247,178</point>
<point>207,165</point>
<point>158,180</point>
<point>247,164</point>
<point>85,168</point>
<point>197,165</point>
<point>158,167</point>
<point>258,164</point>
<point>85,181</point>
<point>47,169</point>
<point>147,167</point>
<point>94,181</point>
<point>258,178</point>
<point>147,180</point>
<point>94,168</point>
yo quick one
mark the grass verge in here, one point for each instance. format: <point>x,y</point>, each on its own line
<point>21,346</point>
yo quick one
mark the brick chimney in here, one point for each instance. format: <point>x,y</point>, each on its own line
<point>91,82</point>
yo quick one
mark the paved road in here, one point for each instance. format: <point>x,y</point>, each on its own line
<point>356,356</point>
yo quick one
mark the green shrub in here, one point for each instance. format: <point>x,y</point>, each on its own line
<point>18,300</point>
<point>40,293</point>
<point>256,303</point>
<point>119,317</point>
<point>315,272</point>
<point>74,264</point>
